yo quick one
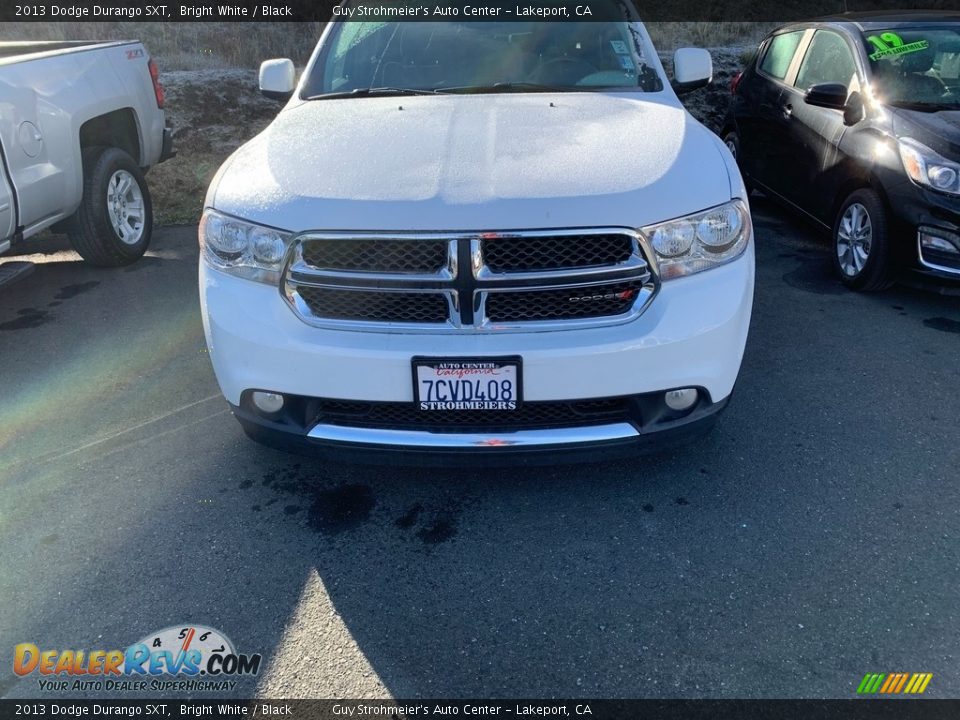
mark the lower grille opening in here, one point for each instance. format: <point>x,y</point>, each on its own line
<point>530,415</point>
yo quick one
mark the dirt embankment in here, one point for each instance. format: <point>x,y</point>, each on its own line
<point>213,112</point>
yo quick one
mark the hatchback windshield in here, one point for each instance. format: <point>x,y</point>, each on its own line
<point>916,66</point>
<point>383,57</point>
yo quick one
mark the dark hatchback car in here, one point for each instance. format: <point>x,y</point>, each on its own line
<point>855,121</point>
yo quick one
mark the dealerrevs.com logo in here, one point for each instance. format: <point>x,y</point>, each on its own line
<point>180,658</point>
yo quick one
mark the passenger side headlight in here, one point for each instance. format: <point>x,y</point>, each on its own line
<point>927,167</point>
<point>700,241</point>
<point>242,248</point>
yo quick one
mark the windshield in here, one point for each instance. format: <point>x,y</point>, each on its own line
<point>481,56</point>
<point>916,66</point>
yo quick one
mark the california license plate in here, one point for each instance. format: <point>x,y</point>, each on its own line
<point>467,383</point>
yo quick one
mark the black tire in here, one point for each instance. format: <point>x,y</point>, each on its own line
<point>732,140</point>
<point>91,231</point>
<point>877,271</point>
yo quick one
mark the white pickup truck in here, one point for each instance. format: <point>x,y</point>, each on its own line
<point>80,123</point>
<point>479,241</point>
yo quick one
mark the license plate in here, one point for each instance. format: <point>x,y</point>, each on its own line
<point>467,383</point>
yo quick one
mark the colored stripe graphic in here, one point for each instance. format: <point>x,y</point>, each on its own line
<point>870,683</point>
<point>894,683</point>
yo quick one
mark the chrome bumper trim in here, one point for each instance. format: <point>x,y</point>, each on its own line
<point>418,439</point>
<point>929,265</point>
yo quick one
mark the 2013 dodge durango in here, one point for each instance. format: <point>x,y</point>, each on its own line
<point>468,241</point>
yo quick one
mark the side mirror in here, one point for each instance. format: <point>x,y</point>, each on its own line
<point>692,69</point>
<point>277,79</point>
<point>827,95</point>
<point>854,111</point>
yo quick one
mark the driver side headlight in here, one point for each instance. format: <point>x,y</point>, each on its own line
<point>929,168</point>
<point>242,248</point>
<point>701,241</point>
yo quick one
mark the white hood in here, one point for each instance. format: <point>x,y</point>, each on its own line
<point>475,162</point>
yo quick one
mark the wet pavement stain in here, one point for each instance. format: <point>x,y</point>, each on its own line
<point>28,318</point>
<point>341,509</point>
<point>437,525</point>
<point>815,276</point>
<point>437,532</point>
<point>71,291</point>
<point>943,324</point>
<point>409,518</point>
<point>288,479</point>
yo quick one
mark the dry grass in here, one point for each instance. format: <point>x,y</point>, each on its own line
<point>668,36</point>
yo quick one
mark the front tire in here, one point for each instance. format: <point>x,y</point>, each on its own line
<point>114,222</point>
<point>732,140</point>
<point>863,255</point>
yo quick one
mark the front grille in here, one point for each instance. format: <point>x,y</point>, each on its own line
<point>470,282</point>
<point>534,254</point>
<point>531,415</point>
<point>376,255</point>
<point>566,304</point>
<point>375,306</point>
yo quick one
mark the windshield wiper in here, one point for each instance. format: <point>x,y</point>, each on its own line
<point>923,106</point>
<point>368,92</point>
<point>505,87</point>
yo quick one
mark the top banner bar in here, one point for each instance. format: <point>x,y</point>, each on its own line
<point>461,10</point>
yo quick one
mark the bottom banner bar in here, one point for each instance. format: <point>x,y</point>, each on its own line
<point>859,709</point>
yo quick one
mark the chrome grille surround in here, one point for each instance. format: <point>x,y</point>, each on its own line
<point>467,282</point>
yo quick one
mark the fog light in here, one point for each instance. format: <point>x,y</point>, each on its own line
<point>941,244</point>
<point>267,402</point>
<point>682,399</point>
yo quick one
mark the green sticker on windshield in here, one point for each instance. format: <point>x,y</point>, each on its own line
<point>888,43</point>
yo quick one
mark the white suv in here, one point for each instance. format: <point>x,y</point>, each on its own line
<point>478,240</point>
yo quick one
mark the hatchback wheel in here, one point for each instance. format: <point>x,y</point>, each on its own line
<point>732,141</point>
<point>862,252</point>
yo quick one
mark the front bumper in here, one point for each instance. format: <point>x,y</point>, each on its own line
<point>648,427</point>
<point>922,210</point>
<point>692,335</point>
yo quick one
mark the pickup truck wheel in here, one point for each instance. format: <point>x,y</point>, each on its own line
<point>862,247</point>
<point>114,222</point>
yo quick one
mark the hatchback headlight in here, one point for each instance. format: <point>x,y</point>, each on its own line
<point>700,241</point>
<point>243,248</point>
<point>927,167</point>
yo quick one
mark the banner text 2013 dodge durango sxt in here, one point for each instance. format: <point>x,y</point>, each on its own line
<point>465,241</point>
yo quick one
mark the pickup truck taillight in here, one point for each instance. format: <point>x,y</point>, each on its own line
<point>157,87</point>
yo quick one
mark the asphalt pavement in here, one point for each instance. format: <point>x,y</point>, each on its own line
<point>813,537</point>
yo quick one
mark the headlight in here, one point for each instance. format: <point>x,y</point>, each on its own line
<point>926,167</point>
<point>242,248</point>
<point>701,241</point>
